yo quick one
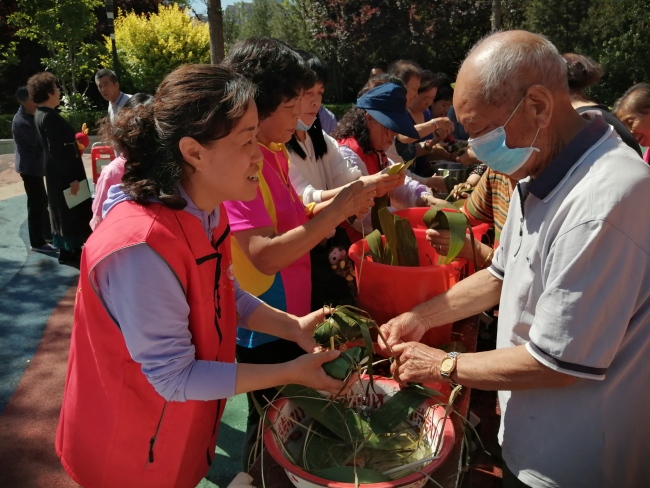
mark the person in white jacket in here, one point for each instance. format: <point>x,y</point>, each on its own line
<point>318,173</point>
<point>317,170</point>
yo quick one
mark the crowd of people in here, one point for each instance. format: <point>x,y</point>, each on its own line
<point>205,256</point>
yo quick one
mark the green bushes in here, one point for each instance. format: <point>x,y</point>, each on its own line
<point>5,126</point>
<point>338,109</point>
<point>92,119</point>
<point>75,119</point>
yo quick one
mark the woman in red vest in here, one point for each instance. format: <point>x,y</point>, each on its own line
<point>367,130</point>
<point>153,344</point>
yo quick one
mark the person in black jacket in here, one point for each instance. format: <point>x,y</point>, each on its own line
<point>63,169</point>
<point>583,72</point>
<point>29,164</point>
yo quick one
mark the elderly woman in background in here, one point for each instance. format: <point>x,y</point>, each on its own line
<point>63,169</point>
<point>582,73</point>
<point>633,109</point>
<point>365,133</point>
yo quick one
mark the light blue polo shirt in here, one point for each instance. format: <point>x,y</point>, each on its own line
<point>575,263</point>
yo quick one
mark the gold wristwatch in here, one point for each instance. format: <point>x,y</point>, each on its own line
<point>448,365</point>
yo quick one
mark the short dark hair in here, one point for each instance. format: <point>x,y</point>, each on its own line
<point>316,65</point>
<point>22,94</point>
<point>201,101</point>
<point>445,92</point>
<point>107,72</point>
<point>41,86</point>
<point>582,71</point>
<point>277,71</point>
<point>635,100</point>
<point>428,81</point>
<point>404,69</point>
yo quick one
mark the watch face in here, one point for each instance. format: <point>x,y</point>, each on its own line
<point>447,365</point>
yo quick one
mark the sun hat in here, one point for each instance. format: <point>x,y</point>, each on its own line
<point>387,105</point>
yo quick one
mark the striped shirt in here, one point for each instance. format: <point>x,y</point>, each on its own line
<point>489,202</point>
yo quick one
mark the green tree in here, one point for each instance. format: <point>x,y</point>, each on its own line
<point>150,47</point>
<point>293,24</point>
<point>63,27</point>
<point>562,21</point>
<point>618,36</point>
<point>353,35</point>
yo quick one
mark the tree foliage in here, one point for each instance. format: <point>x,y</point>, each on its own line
<point>355,35</point>
<point>288,20</point>
<point>151,46</point>
<point>63,27</point>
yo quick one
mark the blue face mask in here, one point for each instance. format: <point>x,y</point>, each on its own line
<point>302,126</point>
<point>491,149</point>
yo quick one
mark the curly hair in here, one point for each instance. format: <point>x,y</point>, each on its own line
<point>582,72</point>
<point>41,86</point>
<point>353,124</point>
<point>279,72</point>
<point>201,101</point>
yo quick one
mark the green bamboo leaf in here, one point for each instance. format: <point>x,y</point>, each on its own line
<point>407,245</point>
<point>348,362</point>
<point>399,167</point>
<point>455,222</point>
<point>350,474</point>
<point>386,418</point>
<point>387,220</point>
<point>460,203</point>
<point>380,202</point>
<point>458,226</point>
<point>334,416</point>
<point>376,246</point>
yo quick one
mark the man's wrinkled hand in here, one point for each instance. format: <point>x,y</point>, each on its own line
<point>416,363</point>
<point>403,328</point>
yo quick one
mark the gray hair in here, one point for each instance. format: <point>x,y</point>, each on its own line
<point>509,67</point>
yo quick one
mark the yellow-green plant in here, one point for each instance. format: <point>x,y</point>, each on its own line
<point>151,46</point>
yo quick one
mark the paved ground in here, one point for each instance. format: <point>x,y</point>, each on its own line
<point>36,302</point>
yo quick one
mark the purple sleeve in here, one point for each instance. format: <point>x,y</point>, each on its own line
<point>246,305</point>
<point>144,297</point>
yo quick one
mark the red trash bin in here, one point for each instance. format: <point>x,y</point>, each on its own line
<point>387,291</point>
<point>100,157</point>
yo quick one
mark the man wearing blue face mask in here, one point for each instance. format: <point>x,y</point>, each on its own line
<point>571,277</point>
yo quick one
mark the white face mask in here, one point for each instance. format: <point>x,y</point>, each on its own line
<point>491,149</point>
<point>302,126</point>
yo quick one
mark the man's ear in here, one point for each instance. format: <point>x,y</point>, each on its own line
<point>192,152</point>
<point>540,101</point>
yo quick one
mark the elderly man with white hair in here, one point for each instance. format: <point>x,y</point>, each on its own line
<point>571,277</point>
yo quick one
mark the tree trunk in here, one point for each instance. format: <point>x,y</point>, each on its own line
<point>215,22</point>
<point>497,23</point>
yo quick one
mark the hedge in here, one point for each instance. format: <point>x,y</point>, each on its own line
<point>5,126</point>
<point>338,109</point>
<point>76,120</point>
<point>92,118</point>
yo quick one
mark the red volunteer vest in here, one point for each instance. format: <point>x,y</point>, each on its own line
<point>373,160</point>
<point>374,164</point>
<point>114,429</point>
